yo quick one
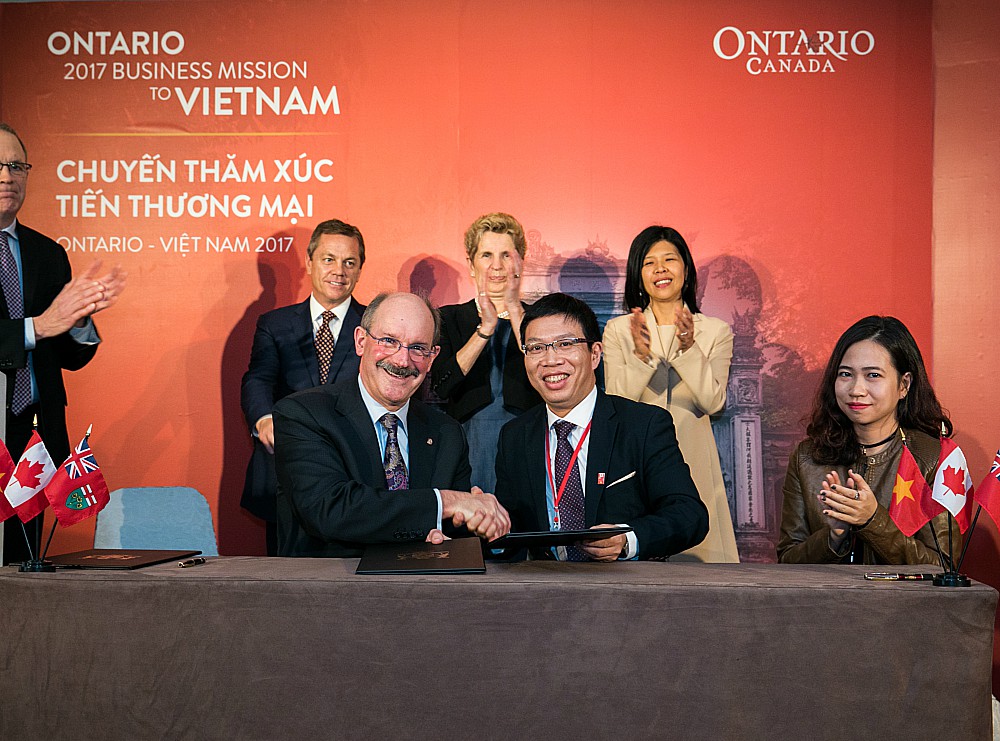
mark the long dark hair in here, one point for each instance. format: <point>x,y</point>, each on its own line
<point>829,429</point>
<point>635,294</point>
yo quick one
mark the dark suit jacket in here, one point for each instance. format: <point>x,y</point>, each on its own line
<point>283,361</point>
<point>332,497</point>
<point>660,502</point>
<point>467,394</point>
<point>45,270</point>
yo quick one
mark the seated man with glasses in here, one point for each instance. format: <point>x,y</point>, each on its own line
<point>589,460</point>
<point>362,462</point>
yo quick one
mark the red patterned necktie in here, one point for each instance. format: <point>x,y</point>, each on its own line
<point>11,283</point>
<point>395,467</point>
<point>572,511</point>
<point>324,345</point>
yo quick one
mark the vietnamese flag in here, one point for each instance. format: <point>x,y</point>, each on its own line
<point>953,484</point>
<point>911,507</point>
<point>78,489</point>
<point>988,493</point>
<point>25,491</point>
<point>6,471</point>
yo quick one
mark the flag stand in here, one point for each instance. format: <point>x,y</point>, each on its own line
<point>954,578</point>
<point>951,577</point>
<point>34,565</point>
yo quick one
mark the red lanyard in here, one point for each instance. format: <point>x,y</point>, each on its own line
<point>557,496</point>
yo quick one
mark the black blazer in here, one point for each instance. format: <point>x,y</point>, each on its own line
<point>283,361</point>
<point>45,270</point>
<point>466,395</point>
<point>332,497</point>
<point>646,483</point>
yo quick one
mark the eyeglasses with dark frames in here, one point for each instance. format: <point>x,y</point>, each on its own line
<point>17,169</point>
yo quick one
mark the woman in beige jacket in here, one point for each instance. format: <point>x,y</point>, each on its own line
<point>664,352</point>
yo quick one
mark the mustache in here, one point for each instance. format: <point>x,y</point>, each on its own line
<point>397,370</point>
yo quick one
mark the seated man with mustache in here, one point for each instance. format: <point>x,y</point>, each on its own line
<point>362,462</point>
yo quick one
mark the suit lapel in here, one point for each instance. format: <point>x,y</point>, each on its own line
<point>468,319</point>
<point>654,336</point>
<point>302,329</point>
<point>533,446</point>
<point>345,342</point>
<point>349,404</point>
<point>423,447</point>
<point>603,431</point>
<point>29,269</point>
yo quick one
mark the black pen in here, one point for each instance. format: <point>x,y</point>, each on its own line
<point>196,561</point>
<point>881,576</point>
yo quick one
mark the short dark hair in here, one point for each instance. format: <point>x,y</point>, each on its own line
<point>336,226</point>
<point>635,293</point>
<point>562,304</point>
<point>368,318</point>
<point>10,130</point>
<point>829,429</point>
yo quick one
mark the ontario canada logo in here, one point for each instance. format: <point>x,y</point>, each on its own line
<point>791,51</point>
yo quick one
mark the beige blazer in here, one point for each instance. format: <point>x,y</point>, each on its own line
<point>691,386</point>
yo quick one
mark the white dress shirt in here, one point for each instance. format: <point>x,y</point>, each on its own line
<point>376,411</point>
<point>581,416</point>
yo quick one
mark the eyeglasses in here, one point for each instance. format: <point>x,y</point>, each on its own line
<point>561,347</point>
<point>417,352</point>
<point>17,169</point>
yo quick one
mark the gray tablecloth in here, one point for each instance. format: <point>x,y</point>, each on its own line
<point>256,648</point>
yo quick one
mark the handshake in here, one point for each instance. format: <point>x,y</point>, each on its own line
<point>480,512</point>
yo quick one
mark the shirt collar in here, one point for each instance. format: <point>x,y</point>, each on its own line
<point>580,415</point>
<point>376,410</point>
<point>11,228</point>
<point>316,309</point>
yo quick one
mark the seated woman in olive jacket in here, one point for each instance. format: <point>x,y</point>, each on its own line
<point>874,399</point>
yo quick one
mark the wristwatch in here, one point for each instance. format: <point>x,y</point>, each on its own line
<point>484,336</point>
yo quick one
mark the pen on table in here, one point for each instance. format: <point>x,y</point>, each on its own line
<point>880,576</point>
<point>196,561</point>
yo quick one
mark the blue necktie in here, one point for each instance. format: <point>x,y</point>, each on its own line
<point>395,467</point>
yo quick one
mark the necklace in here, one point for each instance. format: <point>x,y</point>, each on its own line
<point>500,314</point>
<point>880,443</point>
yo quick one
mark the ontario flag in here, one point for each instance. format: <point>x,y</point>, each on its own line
<point>988,493</point>
<point>25,491</point>
<point>953,484</point>
<point>78,489</point>
<point>6,471</point>
<point>911,507</point>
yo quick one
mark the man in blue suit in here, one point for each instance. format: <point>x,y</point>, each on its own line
<point>299,347</point>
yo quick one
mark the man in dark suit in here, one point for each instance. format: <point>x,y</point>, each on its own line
<point>45,327</point>
<point>588,460</point>
<point>361,462</point>
<point>298,347</point>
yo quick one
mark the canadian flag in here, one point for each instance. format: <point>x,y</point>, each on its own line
<point>953,487</point>
<point>25,491</point>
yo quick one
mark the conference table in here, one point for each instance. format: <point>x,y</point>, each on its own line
<point>270,648</point>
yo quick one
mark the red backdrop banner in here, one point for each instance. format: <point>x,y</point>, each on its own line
<point>197,144</point>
